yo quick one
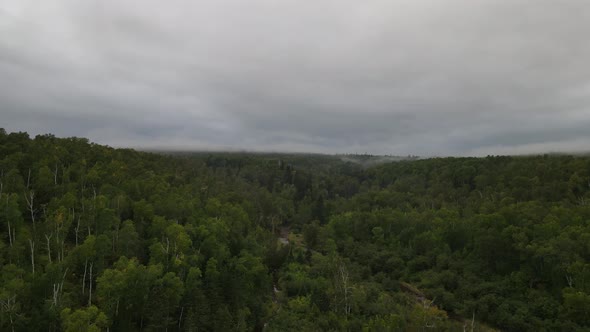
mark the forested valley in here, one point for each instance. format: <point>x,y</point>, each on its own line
<point>94,238</point>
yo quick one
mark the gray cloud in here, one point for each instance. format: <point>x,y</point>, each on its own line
<point>427,77</point>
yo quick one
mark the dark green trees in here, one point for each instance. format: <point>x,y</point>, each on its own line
<point>95,238</point>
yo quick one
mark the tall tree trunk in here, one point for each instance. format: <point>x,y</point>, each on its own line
<point>30,198</point>
<point>180,318</point>
<point>9,234</point>
<point>90,286</point>
<point>76,230</point>
<point>48,238</point>
<point>55,175</point>
<point>84,278</point>
<point>94,213</point>
<point>32,245</point>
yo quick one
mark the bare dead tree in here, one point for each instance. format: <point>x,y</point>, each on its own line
<point>472,324</point>
<point>84,278</point>
<point>48,238</point>
<point>180,318</point>
<point>30,199</point>
<point>9,234</point>
<point>90,286</point>
<point>342,284</point>
<point>345,286</point>
<point>54,298</point>
<point>93,212</point>
<point>62,249</point>
<point>9,229</point>
<point>9,305</point>
<point>76,230</point>
<point>32,246</point>
<point>55,174</point>
<point>58,290</point>
<point>79,217</point>
<point>570,280</point>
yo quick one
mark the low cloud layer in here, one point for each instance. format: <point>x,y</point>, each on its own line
<point>426,77</point>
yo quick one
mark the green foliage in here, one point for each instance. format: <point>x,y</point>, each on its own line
<point>87,319</point>
<point>95,238</point>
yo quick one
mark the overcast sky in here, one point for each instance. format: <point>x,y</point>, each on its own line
<point>453,77</point>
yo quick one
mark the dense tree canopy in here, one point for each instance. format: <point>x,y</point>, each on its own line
<point>94,238</point>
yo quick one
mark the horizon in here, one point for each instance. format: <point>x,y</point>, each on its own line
<point>404,157</point>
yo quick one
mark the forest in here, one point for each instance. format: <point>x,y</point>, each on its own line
<point>94,238</point>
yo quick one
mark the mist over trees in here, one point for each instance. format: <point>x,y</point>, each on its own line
<point>94,239</point>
